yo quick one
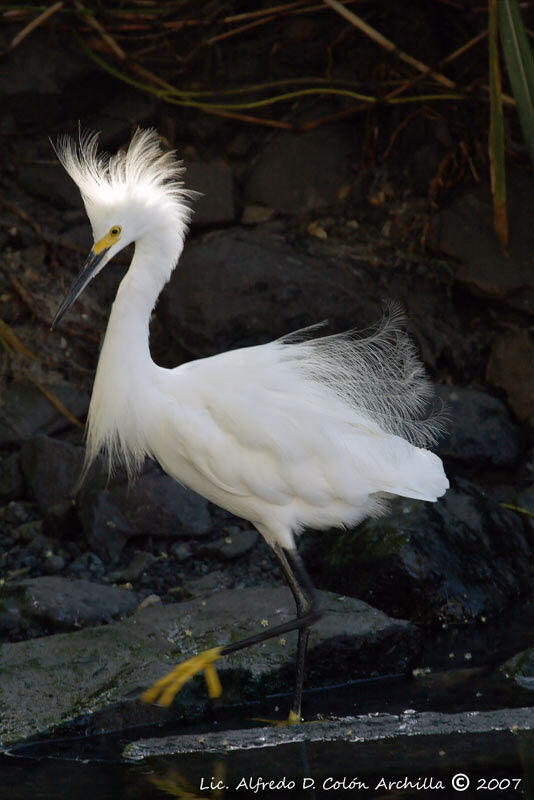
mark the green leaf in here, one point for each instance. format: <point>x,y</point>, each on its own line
<point>520,65</point>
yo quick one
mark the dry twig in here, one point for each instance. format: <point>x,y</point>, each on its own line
<point>31,26</point>
<point>387,44</point>
<point>106,37</point>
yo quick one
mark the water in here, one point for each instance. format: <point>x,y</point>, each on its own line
<point>303,770</point>
<point>463,678</point>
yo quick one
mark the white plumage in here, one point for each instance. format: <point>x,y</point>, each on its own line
<point>271,434</point>
<point>300,432</point>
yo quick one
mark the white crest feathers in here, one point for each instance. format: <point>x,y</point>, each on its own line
<point>140,169</point>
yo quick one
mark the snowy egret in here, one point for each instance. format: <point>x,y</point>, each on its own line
<point>305,431</point>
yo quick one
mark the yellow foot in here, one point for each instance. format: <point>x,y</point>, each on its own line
<point>293,719</point>
<point>164,691</point>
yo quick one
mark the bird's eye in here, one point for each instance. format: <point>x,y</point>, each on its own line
<point>115,230</point>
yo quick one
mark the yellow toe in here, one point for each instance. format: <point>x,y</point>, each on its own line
<point>164,691</point>
<point>212,681</point>
<point>293,719</point>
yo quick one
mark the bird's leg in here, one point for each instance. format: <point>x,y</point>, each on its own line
<point>304,599</point>
<point>308,612</point>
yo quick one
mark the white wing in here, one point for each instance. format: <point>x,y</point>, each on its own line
<point>267,432</point>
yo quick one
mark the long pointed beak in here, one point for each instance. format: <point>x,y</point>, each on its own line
<point>88,270</point>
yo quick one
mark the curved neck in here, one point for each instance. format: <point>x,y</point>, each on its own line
<point>154,259</point>
<point>125,375</point>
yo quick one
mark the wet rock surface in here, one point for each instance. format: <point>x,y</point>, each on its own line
<point>101,671</point>
<point>349,729</point>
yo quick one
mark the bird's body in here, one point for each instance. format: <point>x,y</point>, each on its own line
<point>301,432</point>
<point>251,432</point>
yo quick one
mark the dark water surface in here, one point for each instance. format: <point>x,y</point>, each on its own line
<point>496,764</point>
<point>463,677</point>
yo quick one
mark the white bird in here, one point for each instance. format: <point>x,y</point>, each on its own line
<point>300,432</point>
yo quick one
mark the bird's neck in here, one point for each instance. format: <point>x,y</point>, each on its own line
<point>122,400</point>
<point>128,328</point>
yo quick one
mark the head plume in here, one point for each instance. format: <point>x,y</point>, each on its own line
<point>141,172</point>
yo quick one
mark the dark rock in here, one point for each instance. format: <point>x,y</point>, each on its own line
<point>236,544</point>
<point>139,563</point>
<point>28,531</point>
<point>244,142</point>
<point>253,215</point>
<point>42,553</point>
<point>61,520</point>
<point>105,668</point>
<point>104,524</point>
<point>366,732</point>
<point>87,564</point>
<point>49,182</point>
<point>511,367</point>
<point>154,505</point>
<point>521,669</point>
<point>300,172</point>
<point>151,600</point>
<point>30,69</point>
<point>25,412</point>
<point>465,230</point>
<point>51,468</point>
<point>121,114</point>
<point>36,550</point>
<point>17,513</point>
<point>54,563</point>
<point>157,505</point>
<point>78,236</point>
<point>39,544</point>
<point>456,559</point>
<point>479,429</point>
<point>60,604</point>
<point>214,581</point>
<point>214,205</point>
<point>11,480</point>
<point>181,551</point>
<point>255,285</point>
<point>35,83</point>
<point>525,502</point>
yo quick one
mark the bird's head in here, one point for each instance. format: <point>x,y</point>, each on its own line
<point>126,196</point>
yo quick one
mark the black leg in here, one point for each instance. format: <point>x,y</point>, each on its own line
<point>301,588</point>
<point>308,612</point>
<point>304,601</point>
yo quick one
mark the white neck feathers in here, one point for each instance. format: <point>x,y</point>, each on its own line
<point>117,419</point>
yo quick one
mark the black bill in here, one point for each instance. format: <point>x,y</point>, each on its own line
<point>87,272</point>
